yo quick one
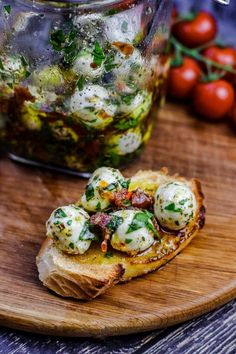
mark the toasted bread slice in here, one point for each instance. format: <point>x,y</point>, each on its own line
<point>91,274</point>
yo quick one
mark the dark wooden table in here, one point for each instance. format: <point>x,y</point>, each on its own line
<point>213,333</point>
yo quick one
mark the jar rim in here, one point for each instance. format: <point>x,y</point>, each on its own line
<point>79,4</point>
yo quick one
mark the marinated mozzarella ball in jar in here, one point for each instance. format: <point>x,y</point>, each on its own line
<point>90,27</point>
<point>135,232</point>
<point>48,79</point>
<point>103,182</point>
<point>84,65</point>
<point>127,61</point>
<point>42,98</point>
<point>127,27</point>
<point>124,143</point>
<point>175,205</point>
<point>92,106</point>
<point>68,227</point>
<point>30,117</point>
<point>137,105</point>
<point>13,69</point>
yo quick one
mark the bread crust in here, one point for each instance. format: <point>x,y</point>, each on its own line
<point>90,275</point>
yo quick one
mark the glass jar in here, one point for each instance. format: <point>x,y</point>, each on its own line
<point>78,79</point>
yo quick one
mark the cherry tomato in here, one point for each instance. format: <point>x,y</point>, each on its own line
<point>223,56</point>
<point>196,32</point>
<point>213,100</point>
<point>183,78</point>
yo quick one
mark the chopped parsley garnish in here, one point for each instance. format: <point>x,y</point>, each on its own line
<point>75,207</point>
<point>128,98</point>
<point>171,207</point>
<point>98,54</point>
<point>69,222</point>
<point>183,201</point>
<point>128,240</point>
<point>86,234</point>
<point>111,12</point>
<point>125,123</point>
<point>59,213</point>
<point>27,74</point>
<point>98,206</point>
<point>111,187</point>
<point>7,8</point>
<point>66,43</point>
<point>140,220</point>
<point>114,223</point>
<point>109,63</point>
<point>80,82</point>
<point>1,65</point>
<point>23,61</point>
<point>125,184</point>
<point>109,255</point>
<point>126,203</point>
<point>71,245</point>
<point>89,192</point>
<point>9,84</point>
<point>57,40</point>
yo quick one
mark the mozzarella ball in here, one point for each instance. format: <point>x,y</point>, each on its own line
<point>31,116</point>
<point>42,98</point>
<point>90,27</point>
<point>103,182</point>
<point>68,227</point>
<point>135,232</point>
<point>175,205</point>
<point>124,143</point>
<point>136,105</point>
<point>92,106</point>
<point>48,78</point>
<point>126,65</point>
<point>82,66</point>
<point>13,69</point>
<point>126,24</point>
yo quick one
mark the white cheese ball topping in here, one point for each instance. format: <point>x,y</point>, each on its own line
<point>101,184</point>
<point>68,227</point>
<point>175,205</point>
<point>82,66</point>
<point>135,232</point>
<point>125,143</point>
<point>92,106</point>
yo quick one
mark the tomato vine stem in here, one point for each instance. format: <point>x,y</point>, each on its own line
<point>194,53</point>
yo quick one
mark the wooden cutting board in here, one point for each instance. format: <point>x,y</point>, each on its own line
<point>200,279</point>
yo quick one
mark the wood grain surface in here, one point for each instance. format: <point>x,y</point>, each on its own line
<point>201,278</point>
